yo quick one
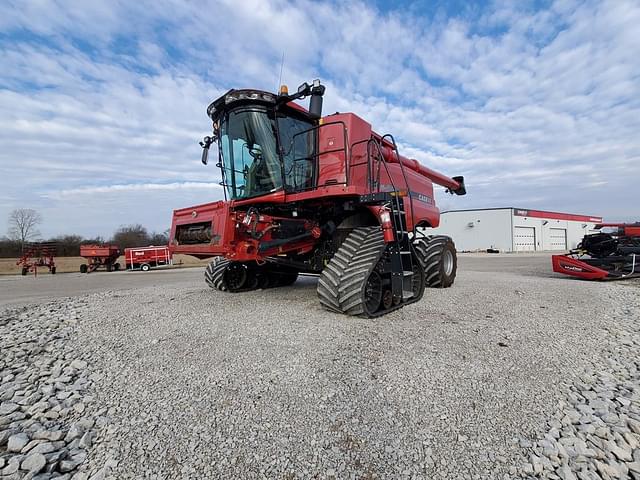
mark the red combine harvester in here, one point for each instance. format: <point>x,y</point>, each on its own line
<point>38,255</point>
<point>145,258</point>
<point>99,256</point>
<point>316,195</point>
<point>610,255</point>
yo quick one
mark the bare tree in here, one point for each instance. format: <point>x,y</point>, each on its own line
<point>23,224</point>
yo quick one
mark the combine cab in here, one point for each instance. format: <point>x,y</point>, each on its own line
<point>317,195</point>
<point>606,255</point>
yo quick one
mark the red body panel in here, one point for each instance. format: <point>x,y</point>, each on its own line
<point>577,268</point>
<point>139,255</point>
<point>98,251</point>
<point>346,168</point>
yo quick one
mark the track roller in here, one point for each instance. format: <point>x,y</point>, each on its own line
<point>225,275</point>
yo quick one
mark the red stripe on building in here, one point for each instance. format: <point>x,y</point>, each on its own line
<point>555,215</point>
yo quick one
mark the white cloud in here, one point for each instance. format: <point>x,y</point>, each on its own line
<point>540,106</point>
<point>135,187</point>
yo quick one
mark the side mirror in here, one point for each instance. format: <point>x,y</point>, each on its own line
<point>205,144</point>
<point>315,106</point>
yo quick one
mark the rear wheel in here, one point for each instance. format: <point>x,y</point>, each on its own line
<point>145,268</point>
<point>53,270</point>
<point>438,257</point>
<point>83,268</point>
<point>116,266</point>
<point>214,273</point>
<point>25,270</point>
<point>109,267</point>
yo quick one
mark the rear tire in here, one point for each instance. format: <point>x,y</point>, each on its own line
<point>145,268</point>
<point>116,266</point>
<point>438,257</point>
<point>83,268</point>
<point>214,273</point>
<point>53,270</point>
<point>25,270</point>
<point>109,267</point>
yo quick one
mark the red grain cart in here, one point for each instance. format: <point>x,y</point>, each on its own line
<point>145,258</point>
<point>99,256</point>
<point>38,255</point>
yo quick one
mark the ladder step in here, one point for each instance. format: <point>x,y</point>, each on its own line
<point>407,294</point>
<point>407,273</point>
<point>403,252</point>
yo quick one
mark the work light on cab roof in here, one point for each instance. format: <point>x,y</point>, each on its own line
<point>324,196</point>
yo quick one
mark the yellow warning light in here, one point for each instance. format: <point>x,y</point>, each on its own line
<point>284,90</point>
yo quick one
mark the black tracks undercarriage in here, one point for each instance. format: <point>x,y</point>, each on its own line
<point>225,275</point>
<point>357,280</point>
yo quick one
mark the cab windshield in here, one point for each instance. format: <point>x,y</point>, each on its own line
<point>249,151</point>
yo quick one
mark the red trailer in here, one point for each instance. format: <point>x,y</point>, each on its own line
<point>99,256</point>
<point>145,258</point>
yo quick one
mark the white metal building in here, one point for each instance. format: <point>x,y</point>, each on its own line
<point>511,229</point>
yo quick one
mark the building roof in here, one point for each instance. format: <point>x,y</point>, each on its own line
<point>525,212</point>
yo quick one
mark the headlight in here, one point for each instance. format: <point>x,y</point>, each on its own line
<point>249,95</point>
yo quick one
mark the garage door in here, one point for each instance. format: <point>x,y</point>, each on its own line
<point>525,239</point>
<point>558,238</point>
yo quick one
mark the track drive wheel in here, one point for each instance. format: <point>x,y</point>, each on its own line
<point>214,273</point>
<point>372,294</point>
<point>437,254</point>
<point>418,282</point>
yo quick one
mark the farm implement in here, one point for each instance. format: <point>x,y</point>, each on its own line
<point>316,195</point>
<point>98,256</point>
<point>146,258</point>
<point>606,255</point>
<point>38,255</point>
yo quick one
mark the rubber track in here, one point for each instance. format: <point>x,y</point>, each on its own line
<point>341,284</point>
<point>331,276</point>
<point>429,250</point>
<point>214,273</point>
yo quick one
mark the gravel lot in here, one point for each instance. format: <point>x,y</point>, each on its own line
<point>497,377</point>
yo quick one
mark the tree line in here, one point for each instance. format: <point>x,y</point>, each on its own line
<point>23,230</point>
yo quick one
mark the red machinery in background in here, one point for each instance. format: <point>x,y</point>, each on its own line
<point>145,258</point>
<point>605,255</point>
<point>38,255</point>
<point>99,256</point>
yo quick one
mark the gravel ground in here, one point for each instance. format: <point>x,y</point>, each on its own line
<point>185,382</point>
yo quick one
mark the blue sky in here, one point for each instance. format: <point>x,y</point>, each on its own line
<point>102,103</point>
